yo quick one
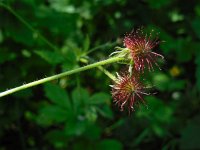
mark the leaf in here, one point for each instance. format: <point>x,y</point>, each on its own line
<point>51,57</point>
<point>196,25</point>
<point>19,33</point>
<point>86,44</point>
<point>100,98</point>
<point>158,114</point>
<point>105,111</point>
<point>70,61</point>
<point>61,24</point>
<point>6,56</point>
<point>93,132</point>
<point>183,49</point>
<point>52,114</point>
<point>161,81</point>
<point>109,144</point>
<point>197,61</point>
<point>75,128</point>
<point>176,85</point>
<point>158,4</point>
<point>1,36</point>
<point>57,137</point>
<point>165,83</point>
<point>190,138</point>
<point>57,95</point>
<point>91,114</point>
<point>80,97</point>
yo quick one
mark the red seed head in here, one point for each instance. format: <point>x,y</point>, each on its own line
<point>127,90</point>
<point>140,46</point>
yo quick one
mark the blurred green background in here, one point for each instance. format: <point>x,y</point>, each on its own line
<point>39,38</point>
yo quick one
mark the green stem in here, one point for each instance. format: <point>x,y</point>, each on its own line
<point>106,72</point>
<point>110,75</point>
<point>54,77</point>
<point>28,25</point>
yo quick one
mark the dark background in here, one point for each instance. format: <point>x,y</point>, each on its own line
<point>39,38</point>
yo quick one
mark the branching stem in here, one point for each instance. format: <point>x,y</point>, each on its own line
<point>54,77</point>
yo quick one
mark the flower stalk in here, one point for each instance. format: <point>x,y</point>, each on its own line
<point>54,77</point>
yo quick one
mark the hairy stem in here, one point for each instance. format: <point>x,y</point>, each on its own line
<point>106,72</point>
<point>54,77</point>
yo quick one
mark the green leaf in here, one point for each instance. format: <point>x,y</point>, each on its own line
<point>75,128</point>
<point>57,95</point>
<point>80,97</point>
<point>109,144</point>
<point>51,57</point>
<point>105,111</point>
<point>1,36</point>
<point>190,138</point>
<point>165,83</point>
<point>100,98</point>
<point>57,137</point>
<point>196,25</point>
<point>158,4</point>
<point>6,56</point>
<point>86,44</point>
<point>158,114</point>
<point>20,34</point>
<point>197,61</point>
<point>61,24</point>
<point>70,61</point>
<point>161,81</point>
<point>176,85</point>
<point>183,49</point>
<point>51,114</point>
<point>197,10</point>
<point>93,132</point>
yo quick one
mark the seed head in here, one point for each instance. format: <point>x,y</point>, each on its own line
<point>127,90</point>
<point>140,46</point>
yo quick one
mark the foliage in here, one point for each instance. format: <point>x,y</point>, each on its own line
<point>77,112</point>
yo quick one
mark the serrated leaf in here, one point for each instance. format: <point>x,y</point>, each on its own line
<point>57,95</point>
<point>51,57</point>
